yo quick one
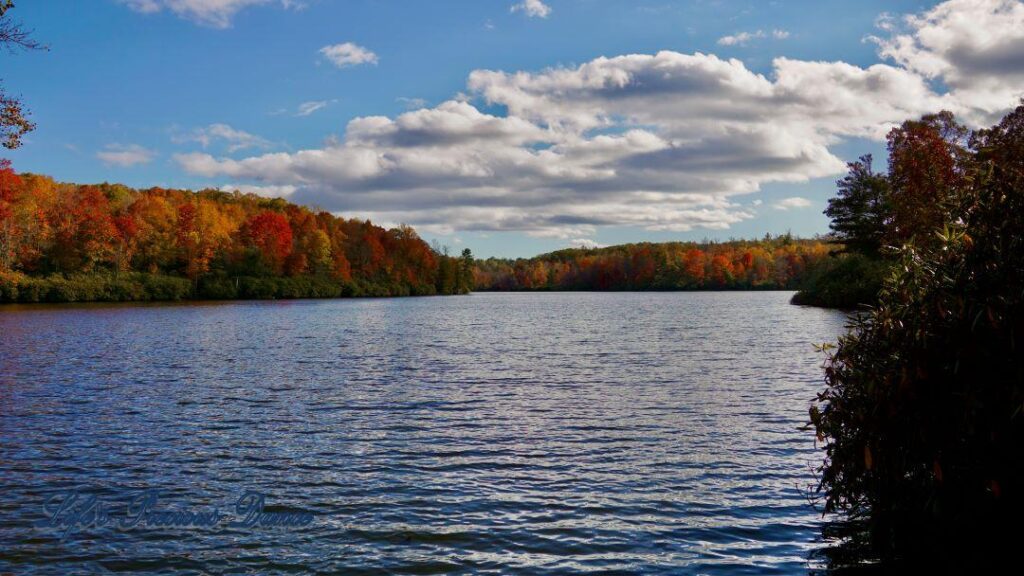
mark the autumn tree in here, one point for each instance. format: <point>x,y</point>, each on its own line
<point>270,236</point>
<point>33,233</point>
<point>195,254</point>
<point>127,233</point>
<point>10,185</point>
<point>157,235</point>
<point>369,252</point>
<point>721,270</point>
<point>337,258</point>
<point>84,235</point>
<point>927,172</point>
<point>694,265</point>
<point>310,245</point>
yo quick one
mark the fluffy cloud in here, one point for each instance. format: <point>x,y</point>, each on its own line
<point>125,155</point>
<point>976,47</point>
<point>792,203</point>
<point>214,13</point>
<point>664,141</point>
<point>348,54</point>
<point>234,140</point>
<point>532,8</point>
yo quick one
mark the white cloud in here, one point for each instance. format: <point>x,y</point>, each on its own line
<point>125,155</point>
<point>214,13</point>
<point>265,191</point>
<point>348,54</point>
<point>740,38</point>
<point>664,141</point>
<point>976,47</point>
<point>411,103</point>
<point>744,38</point>
<point>234,139</point>
<point>793,202</point>
<point>584,243</point>
<point>532,8</point>
<point>307,108</point>
<point>143,6</point>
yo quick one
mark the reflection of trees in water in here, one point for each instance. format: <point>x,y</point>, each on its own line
<point>848,550</point>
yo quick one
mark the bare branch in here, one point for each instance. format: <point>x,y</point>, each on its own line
<point>13,36</point>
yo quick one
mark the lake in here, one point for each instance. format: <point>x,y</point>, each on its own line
<point>527,433</point>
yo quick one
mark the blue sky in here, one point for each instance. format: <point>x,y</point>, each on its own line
<point>129,86</point>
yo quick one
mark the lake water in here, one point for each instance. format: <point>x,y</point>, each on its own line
<point>493,433</point>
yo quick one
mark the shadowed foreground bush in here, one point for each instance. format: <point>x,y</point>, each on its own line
<point>923,417</point>
<point>848,282</point>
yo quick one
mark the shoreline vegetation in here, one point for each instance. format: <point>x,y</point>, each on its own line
<point>63,242</point>
<point>781,263</point>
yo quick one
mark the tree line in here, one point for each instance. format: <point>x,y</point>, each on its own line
<point>779,262</point>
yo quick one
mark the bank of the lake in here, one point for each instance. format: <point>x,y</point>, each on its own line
<point>143,287</point>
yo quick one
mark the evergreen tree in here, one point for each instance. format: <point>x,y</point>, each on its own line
<point>861,209</point>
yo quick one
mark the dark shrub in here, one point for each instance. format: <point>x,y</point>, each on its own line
<point>923,417</point>
<point>218,287</point>
<point>847,281</point>
<point>166,287</point>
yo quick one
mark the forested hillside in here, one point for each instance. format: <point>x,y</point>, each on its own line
<point>68,242</point>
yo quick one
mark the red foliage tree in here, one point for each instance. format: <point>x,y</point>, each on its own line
<point>83,231</point>
<point>693,264</point>
<point>10,184</point>
<point>269,233</point>
<point>127,234</point>
<point>926,174</point>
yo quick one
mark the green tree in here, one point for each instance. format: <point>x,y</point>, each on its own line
<point>861,209</point>
<point>466,264</point>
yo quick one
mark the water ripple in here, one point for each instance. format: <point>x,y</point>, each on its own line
<point>495,433</point>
